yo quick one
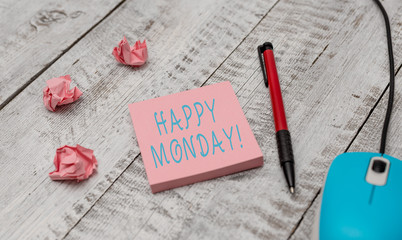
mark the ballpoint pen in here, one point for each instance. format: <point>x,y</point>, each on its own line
<point>268,67</point>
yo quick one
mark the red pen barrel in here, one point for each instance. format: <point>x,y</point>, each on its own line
<point>275,91</point>
<point>283,138</point>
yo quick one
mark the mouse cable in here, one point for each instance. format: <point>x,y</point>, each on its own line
<point>391,78</point>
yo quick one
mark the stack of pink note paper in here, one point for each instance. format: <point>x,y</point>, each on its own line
<point>193,136</point>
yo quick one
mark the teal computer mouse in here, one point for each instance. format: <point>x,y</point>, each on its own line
<point>361,199</point>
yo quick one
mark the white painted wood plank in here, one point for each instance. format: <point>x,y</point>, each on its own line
<point>326,100</point>
<point>34,33</point>
<point>369,138</point>
<point>187,42</point>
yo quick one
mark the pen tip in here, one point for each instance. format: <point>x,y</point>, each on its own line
<point>292,190</point>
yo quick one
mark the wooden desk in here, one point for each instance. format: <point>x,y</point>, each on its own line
<point>333,66</point>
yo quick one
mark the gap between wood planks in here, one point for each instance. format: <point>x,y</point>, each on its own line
<point>49,64</point>
<point>65,235</point>
<point>371,111</point>
<point>230,54</point>
<point>347,148</point>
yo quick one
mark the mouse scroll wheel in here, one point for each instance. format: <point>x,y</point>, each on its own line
<point>379,166</point>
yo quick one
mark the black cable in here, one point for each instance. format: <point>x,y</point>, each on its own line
<point>391,78</point>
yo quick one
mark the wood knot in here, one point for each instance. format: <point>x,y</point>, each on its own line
<point>47,17</point>
<point>76,14</point>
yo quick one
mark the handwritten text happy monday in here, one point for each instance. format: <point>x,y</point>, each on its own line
<point>202,144</point>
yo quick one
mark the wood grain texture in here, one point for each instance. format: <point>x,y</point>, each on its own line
<point>187,42</point>
<point>35,33</point>
<point>322,50</point>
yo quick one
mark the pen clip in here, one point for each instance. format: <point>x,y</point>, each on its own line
<point>260,50</point>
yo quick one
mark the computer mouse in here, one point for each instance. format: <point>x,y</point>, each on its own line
<point>361,199</point>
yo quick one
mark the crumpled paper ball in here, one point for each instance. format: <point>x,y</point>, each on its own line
<point>133,56</point>
<point>73,163</point>
<point>57,92</point>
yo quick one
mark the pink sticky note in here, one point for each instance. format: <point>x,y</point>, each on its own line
<point>73,163</point>
<point>193,136</point>
<point>58,92</point>
<point>133,56</point>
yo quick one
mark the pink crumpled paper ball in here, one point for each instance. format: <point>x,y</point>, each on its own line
<point>133,56</point>
<point>73,163</point>
<point>57,92</point>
